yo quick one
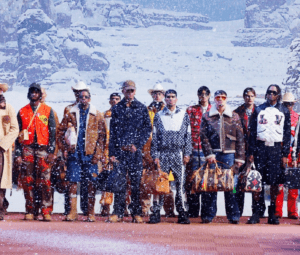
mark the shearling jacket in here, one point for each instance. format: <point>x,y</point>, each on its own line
<point>95,131</point>
<point>222,133</point>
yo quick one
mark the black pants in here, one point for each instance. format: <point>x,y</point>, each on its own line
<point>130,165</point>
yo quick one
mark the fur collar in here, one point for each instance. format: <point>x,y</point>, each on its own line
<point>213,111</point>
<point>92,110</point>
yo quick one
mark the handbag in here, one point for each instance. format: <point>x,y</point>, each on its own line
<point>58,175</point>
<point>196,180</point>
<point>24,135</point>
<point>116,180</point>
<point>250,180</point>
<point>217,179</point>
<point>155,181</point>
<point>292,177</point>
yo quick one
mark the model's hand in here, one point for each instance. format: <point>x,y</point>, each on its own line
<point>294,163</point>
<point>50,158</point>
<point>113,159</point>
<point>19,160</point>
<point>132,148</point>
<point>251,158</point>
<point>284,162</point>
<point>186,160</point>
<point>94,160</point>
<point>156,161</point>
<point>65,154</point>
<point>236,167</point>
<point>211,160</point>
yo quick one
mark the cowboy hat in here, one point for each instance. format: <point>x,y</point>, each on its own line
<point>288,97</point>
<point>80,86</point>
<point>157,87</point>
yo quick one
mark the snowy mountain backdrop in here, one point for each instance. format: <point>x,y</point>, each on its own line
<point>103,43</point>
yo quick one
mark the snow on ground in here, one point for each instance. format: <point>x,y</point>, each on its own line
<point>182,59</point>
<point>84,244</point>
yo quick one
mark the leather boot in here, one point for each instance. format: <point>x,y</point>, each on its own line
<point>72,216</point>
<point>91,210</point>
<point>183,218</point>
<point>254,219</point>
<point>272,219</point>
<point>154,217</point>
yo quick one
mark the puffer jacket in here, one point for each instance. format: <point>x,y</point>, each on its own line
<point>222,133</point>
<point>95,131</point>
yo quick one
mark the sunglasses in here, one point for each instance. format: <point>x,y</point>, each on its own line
<point>269,92</point>
<point>204,95</point>
<point>82,97</point>
<point>288,104</point>
<point>221,97</point>
<point>130,90</point>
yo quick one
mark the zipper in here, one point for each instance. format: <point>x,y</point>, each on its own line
<point>221,131</point>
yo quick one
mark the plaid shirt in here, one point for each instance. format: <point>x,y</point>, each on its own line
<point>195,113</point>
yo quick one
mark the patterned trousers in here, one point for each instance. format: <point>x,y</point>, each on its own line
<point>36,182</point>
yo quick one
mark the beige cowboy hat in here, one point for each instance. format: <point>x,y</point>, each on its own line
<point>80,86</point>
<point>157,87</point>
<point>288,97</point>
<point>4,87</point>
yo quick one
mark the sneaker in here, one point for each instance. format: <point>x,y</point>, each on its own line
<point>29,216</point>
<point>234,221</point>
<point>137,219</point>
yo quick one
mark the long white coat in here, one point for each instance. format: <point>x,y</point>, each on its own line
<point>9,130</point>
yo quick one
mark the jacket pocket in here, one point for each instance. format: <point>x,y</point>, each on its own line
<point>231,137</point>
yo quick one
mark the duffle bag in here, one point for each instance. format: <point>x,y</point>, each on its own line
<point>218,179</point>
<point>250,180</point>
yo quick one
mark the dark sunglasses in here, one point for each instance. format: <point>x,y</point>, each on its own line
<point>269,92</point>
<point>130,90</point>
<point>87,97</point>
<point>288,104</point>
<point>206,94</point>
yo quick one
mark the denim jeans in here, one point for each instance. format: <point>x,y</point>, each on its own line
<point>209,199</point>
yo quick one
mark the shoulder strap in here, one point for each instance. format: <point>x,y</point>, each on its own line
<point>35,112</point>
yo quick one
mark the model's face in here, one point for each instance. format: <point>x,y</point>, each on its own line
<point>272,94</point>
<point>289,105</point>
<point>84,98</point>
<point>220,100</point>
<point>129,93</point>
<point>171,100</point>
<point>204,97</point>
<point>249,98</point>
<point>114,100</point>
<point>34,94</point>
<point>157,96</point>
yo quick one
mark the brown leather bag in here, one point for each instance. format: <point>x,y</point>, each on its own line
<point>196,180</point>
<point>218,179</point>
<point>155,181</point>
